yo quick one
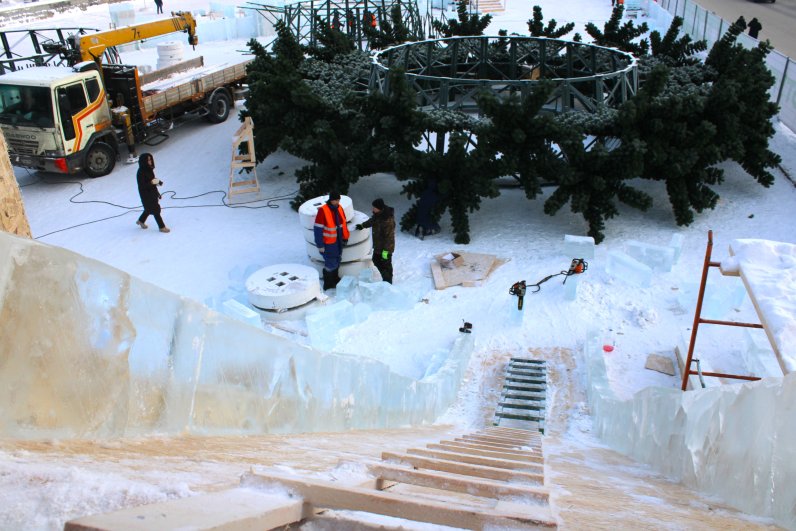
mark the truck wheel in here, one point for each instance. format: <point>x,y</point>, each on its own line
<point>219,107</point>
<point>100,160</point>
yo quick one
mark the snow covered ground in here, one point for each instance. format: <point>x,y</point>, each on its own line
<point>212,248</point>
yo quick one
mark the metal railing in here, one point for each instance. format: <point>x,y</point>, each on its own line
<point>702,24</point>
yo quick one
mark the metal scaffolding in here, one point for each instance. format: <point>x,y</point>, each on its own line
<point>349,16</point>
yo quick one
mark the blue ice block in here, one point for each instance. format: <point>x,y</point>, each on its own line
<point>628,269</point>
<point>346,288</point>
<point>385,296</point>
<point>240,312</point>
<point>676,243</point>
<point>578,246</point>
<point>658,257</point>
<point>366,275</point>
<point>571,288</point>
<point>324,323</point>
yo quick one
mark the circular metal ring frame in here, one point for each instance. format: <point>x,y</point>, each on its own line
<point>449,73</point>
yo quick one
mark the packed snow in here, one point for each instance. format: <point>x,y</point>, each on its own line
<point>214,246</point>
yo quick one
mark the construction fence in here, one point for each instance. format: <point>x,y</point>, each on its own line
<point>702,24</point>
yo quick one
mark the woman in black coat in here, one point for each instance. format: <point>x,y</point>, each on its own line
<point>148,190</point>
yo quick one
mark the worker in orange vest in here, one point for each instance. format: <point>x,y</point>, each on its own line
<point>331,234</point>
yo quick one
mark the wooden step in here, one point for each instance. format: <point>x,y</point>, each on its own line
<point>477,460</point>
<point>455,467</point>
<point>487,488</point>
<point>317,494</point>
<point>527,457</point>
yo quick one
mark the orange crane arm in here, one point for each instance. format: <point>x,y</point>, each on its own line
<point>93,45</point>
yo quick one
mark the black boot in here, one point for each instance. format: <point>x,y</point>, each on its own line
<point>335,277</point>
<point>327,279</point>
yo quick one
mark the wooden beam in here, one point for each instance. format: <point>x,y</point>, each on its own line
<point>469,444</point>
<point>491,440</point>
<point>506,440</point>
<point>455,467</point>
<point>475,460</point>
<point>318,493</point>
<point>526,457</point>
<point>228,510</point>
<point>486,488</point>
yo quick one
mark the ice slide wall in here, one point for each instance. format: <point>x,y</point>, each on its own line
<point>89,351</point>
<point>737,442</point>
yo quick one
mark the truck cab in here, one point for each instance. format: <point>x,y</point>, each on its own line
<point>57,119</point>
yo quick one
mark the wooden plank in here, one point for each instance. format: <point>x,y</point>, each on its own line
<point>229,510</point>
<point>505,440</point>
<point>436,274</point>
<point>523,457</point>
<point>504,446</point>
<point>468,444</point>
<point>475,460</point>
<point>327,494</point>
<point>454,467</point>
<point>444,481</point>
<point>522,436</point>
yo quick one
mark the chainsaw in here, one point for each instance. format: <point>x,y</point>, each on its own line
<point>519,289</point>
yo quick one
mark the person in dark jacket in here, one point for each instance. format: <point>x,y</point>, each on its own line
<point>159,5</point>
<point>331,234</point>
<point>383,224</point>
<point>754,28</point>
<point>148,190</point>
<point>425,211</point>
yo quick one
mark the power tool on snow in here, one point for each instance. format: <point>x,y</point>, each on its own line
<point>518,289</point>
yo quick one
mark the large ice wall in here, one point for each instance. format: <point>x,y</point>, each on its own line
<point>736,441</point>
<point>89,351</point>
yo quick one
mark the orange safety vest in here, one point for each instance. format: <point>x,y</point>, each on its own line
<point>329,227</point>
<point>372,20</point>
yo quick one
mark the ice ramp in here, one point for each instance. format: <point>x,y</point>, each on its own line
<point>89,351</point>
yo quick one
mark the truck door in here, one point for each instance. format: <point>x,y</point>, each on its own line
<point>82,111</point>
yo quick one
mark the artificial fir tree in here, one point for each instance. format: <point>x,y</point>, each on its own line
<point>739,103</point>
<point>519,139</point>
<point>467,24</point>
<point>278,100</point>
<point>330,41</point>
<point>390,32</point>
<point>537,28</point>
<point>673,50</point>
<point>596,174</point>
<point>619,36</point>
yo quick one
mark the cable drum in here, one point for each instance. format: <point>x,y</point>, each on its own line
<point>169,53</point>
<point>282,286</point>
<point>351,253</point>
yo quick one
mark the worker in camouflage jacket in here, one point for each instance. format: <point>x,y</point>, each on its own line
<point>383,224</point>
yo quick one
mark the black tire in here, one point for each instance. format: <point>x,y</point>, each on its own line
<point>218,107</point>
<point>100,160</point>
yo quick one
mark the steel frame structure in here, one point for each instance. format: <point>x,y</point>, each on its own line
<point>301,17</point>
<point>449,73</point>
<point>23,47</point>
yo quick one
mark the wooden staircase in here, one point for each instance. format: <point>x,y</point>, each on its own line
<point>489,479</point>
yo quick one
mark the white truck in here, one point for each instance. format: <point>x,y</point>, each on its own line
<point>75,117</point>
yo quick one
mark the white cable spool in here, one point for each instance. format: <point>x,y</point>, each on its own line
<point>355,236</point>
<point>309,209</point>
<point>350,269</point>
<point>169,53</point>
<point>282,286</point>
<point>293,314</point>
<point>351,253</point>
